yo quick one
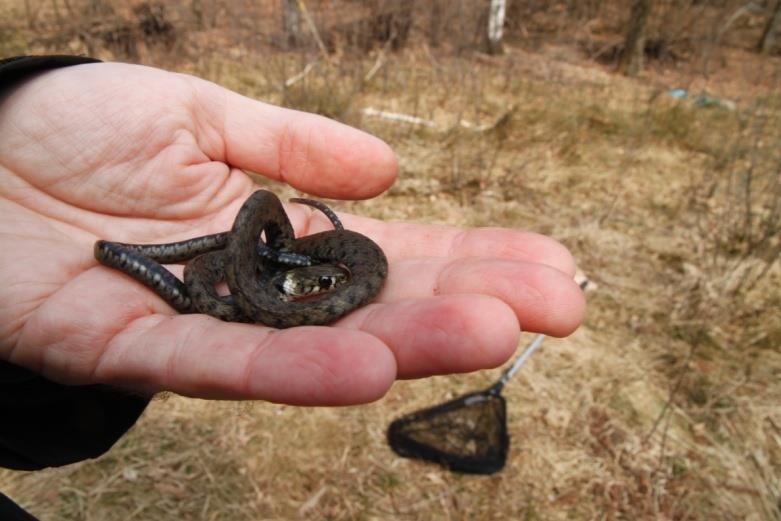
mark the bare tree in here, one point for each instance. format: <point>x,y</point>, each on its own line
<point>772,29</point>
<point>291,22</point>
<point>496,13</point>
<point>435,22</point>
<point>634,46</point>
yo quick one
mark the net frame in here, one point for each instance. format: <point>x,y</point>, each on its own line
<point>467,434</point>
<point>473,447</point>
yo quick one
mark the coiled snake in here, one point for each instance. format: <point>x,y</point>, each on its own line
<point>280,282</point>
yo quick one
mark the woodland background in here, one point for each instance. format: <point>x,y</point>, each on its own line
<point>644,134</point>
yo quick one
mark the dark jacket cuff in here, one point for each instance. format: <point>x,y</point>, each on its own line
<point>20,67</point>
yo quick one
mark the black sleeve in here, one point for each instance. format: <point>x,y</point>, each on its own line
<point>10,511</point>
<point>19,67</point>
<point>46,424</point>
<point>43,423</point>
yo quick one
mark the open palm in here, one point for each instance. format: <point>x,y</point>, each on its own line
<point>135,154</point>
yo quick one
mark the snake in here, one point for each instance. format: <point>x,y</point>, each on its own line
<point>274,278</point>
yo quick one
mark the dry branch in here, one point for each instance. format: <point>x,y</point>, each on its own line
<point>422,122</point>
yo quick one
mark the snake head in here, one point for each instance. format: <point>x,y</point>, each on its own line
<point>309,281</point>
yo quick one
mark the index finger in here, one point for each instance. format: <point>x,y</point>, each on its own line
<point>404,240</point>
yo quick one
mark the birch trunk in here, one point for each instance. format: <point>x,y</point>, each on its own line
<point>496,13</point>
<point>634,46</point>
<point>291,22</point>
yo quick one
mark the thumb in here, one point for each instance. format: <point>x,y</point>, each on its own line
<point>309,152</point>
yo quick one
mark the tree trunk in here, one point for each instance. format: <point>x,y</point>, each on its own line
<point>634,46</point>
<point>771,31</point>
<point>496,25</point>
<point>291,22</point>
<point>435,22</point>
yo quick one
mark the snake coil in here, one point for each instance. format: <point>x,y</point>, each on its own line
<point>349,267</point>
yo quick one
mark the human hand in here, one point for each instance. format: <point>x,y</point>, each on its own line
<point>135,154</point>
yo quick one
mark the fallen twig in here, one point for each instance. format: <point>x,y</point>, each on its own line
<point>414,120</point>
<point>396,116</point>
<point>301,75</point>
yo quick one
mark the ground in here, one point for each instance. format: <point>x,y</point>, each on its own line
<point>663,405</point>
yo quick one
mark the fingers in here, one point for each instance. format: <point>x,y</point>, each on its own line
<point>103,329</point>
<point>201,356</point>
<point>311,153</point>
<point>441,335</point>
<point>543,299</point>
<point>530,272</point>
<point>355,362</point>
<point>403,240</point>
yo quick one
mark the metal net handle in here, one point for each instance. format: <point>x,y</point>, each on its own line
<point>527,352</point>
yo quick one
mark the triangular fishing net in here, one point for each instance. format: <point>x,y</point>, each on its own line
<point>466,434</point>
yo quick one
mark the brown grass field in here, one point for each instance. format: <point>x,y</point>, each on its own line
<point>665,404</point>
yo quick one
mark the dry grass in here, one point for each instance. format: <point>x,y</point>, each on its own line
<point>664,405</point>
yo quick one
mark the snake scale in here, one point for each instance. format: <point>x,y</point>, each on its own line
<point>281,282</point>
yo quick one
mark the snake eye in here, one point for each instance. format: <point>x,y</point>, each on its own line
<point>326,282</point>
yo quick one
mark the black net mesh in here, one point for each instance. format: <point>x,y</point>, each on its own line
<point>467,434</point>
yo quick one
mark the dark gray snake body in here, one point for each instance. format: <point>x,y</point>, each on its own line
<point>350,268</point>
